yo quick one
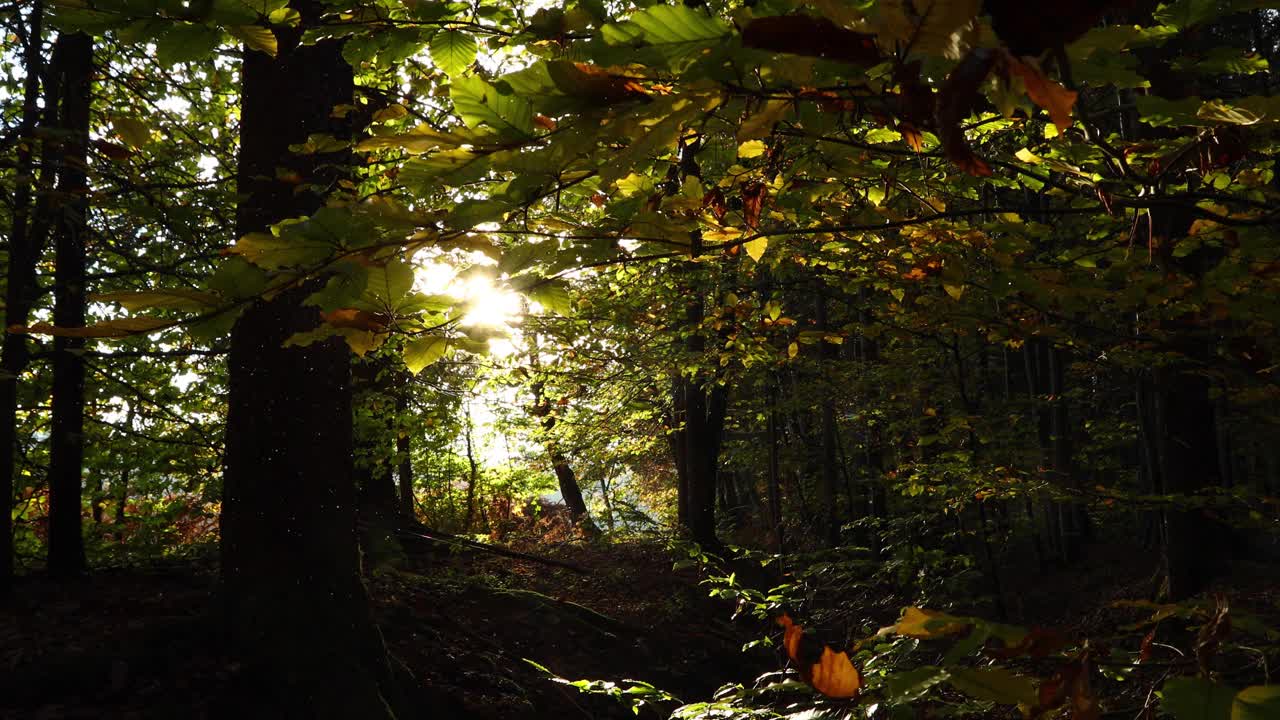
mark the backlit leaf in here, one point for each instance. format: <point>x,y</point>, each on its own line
<point>171,299</point>
<point>452,51</point>
<point>256,37</point>
<point>423,351</point>
<point>1259,702</point>
<point>117,328</point>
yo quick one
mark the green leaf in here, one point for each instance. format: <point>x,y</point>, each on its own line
<point>186,42</point>
<point>1259,702</point>
<point>272,252</point>
<point>132,130</point>
<point>911,685</point>
<point>1189,698</point>
<point>761,122</point>
<point>236,278</point>
<point>422,352</point>
<point>452,51</point>
<point>552,295</point>
<point>389,284</point>
<point>995,684</point>
<point>256,37</point>
<point>343,289</point>
<point>470,213</point>
<point>678,33</point>
<point>479,103</point>
<point>882,135</point>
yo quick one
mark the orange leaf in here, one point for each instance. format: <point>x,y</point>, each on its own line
<point>352,318</point>
<point>832,675</point>
<point>1046,93</point>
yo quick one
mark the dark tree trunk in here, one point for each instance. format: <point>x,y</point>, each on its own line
<point>26,241</point>
<point>700,422</point>
<point>472,478</point>
<point>570,491</point>
<point>827,480</point>
<point>377,506</point>
<point>404,456</point>
<point>73,62</point>
<point>775,480</point>
<point>1193,550</point>
<point>298,613</point>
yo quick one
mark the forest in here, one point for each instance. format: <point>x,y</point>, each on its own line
<point>721,359</point>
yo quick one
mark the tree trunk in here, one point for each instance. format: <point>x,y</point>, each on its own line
<point>73,62</point>
<point>472,478</point>
<point>830,529</point>
<point>298,613</point>
<point>26,241</point>
<point>775,480</point>
<point>404,456</point>
<point>377,506</point>
<point>570,491</point>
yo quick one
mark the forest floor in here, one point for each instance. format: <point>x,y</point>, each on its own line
<point>142,642</point>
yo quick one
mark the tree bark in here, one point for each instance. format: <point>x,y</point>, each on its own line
<point>404,455</point>
<point>73,62</point>
<point>570,491</point>
<point>26,241</point>
<point>298,613</point>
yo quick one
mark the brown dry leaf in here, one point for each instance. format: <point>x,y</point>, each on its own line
<point>753,197</point>
<point>912,136</point>
<point>353,318</point>
<point>955,103</point>
<point>1048,94</point>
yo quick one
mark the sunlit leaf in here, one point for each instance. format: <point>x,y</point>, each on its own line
<point>423,351</point>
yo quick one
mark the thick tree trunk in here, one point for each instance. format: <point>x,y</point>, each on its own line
<point>25,243</point>
<point>298,613</point>
<point>73,62</point>
<point>377,505</point>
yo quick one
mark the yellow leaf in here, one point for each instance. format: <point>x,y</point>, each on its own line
<point>955,291</point>
<point>117,328</point>
<point>793,349</point>
<point>755,248</point>
<point>752,148</point>
<point>1027,156</point>
<point>256,38</point>
<point>391,112</point>
<point>925,624</point>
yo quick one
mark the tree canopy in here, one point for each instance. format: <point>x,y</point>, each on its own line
<point>859,302</point>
